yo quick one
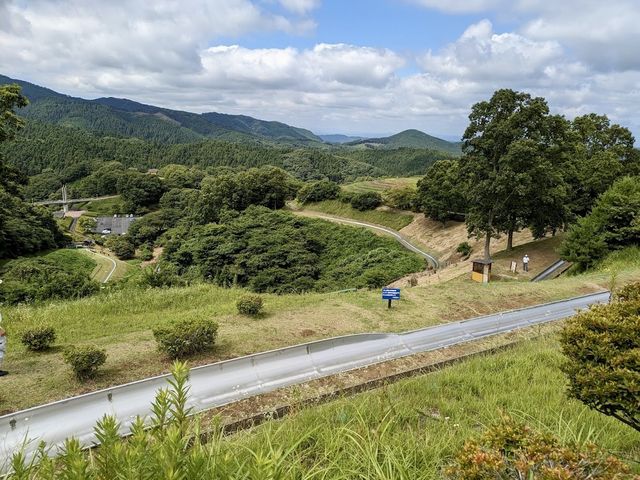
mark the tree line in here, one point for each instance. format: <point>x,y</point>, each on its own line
<point>525,167</point>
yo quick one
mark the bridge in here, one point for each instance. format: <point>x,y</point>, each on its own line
<point>65,202</point>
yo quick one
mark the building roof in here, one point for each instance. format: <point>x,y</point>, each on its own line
<point>117,224</point>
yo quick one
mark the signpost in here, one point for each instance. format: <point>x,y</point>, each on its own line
<point>390,294</point>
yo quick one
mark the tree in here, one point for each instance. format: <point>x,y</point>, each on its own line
<point>23,228</point>
<point>139,190</point>
<point>318,191</point>
<point>441,191</point>
<point>503,151</point>
<point>602,350</point>
<point>614,223</point>
<point>603,153</point>
<point>366,201</point>
<point>121,247</point>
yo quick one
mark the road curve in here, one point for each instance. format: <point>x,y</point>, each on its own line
<point>394,233</point>
<point>115,265</point>
<point>232,380</point>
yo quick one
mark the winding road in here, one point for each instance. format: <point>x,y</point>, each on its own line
<point>232,380</point>
<point>389,231</point>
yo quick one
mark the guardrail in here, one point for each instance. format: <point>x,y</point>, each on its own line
<point>232,380</point>
<point>550,270</point>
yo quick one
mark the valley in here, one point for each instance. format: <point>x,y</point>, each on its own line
<point>204,237</point>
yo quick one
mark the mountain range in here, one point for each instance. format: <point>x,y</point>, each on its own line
<point>123,118</point>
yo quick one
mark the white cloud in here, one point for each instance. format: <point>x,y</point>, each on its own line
<point>604,34</point>
<point>482,54</point>
<point>459,6</point>
<point>300,7</point>
<point>168,54</point>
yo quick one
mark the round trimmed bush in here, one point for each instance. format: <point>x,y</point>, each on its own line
<point>318,191</point>
<point>366,201</point>
<point>186,337</point>
<point>84,360</point>
<point>38,338</point>
<point>250,305</point>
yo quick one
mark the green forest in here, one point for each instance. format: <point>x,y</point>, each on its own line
<point>523,167</point>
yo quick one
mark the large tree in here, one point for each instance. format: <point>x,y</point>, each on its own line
<point>603,153</point>
<point>503,162</point>
<point>23,228</point>
<point>441,192</point>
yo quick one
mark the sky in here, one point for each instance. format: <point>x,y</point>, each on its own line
<point>333,66</point>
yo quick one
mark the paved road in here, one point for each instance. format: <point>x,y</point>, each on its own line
<point>394,233</point>
<point>229,381</point>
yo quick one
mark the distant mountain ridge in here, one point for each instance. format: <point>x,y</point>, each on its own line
<point>121,117</point>
<point>124,118</point>
<point>339,139</point>
<point>409,139</point>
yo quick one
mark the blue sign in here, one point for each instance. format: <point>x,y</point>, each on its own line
<point>391,294</point>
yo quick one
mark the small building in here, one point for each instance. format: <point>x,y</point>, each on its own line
<point>481,271</point>
<point>114,225</point>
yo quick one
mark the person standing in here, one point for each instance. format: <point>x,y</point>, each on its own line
<point>3,348</point>
<point>525,263</point>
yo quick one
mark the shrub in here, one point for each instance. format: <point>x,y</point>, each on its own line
<point>121,247</point>
<point>146,253</point>
<point>513,450</point>
<point>186,337</point>
<point>38,338</point>
<point>464,249</point>
<point>346,196</point>
<point>601,347</point>
<point>366,201</point>
<point>405,198</point>
<point>611,225</point>
<point>628,293</point>
<point>250,305</point>
<point>84,360</point>
<point>318,191</point>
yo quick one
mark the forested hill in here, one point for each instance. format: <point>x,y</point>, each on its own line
<point>125,118</point>
<point>410,139</point>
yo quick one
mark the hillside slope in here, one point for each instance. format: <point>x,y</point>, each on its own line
<point>125,118</point>
<point>410,139</point>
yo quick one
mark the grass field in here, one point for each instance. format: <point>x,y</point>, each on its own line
<point>121,321</point>
<point>410,429</point>
<point>104,266</point>
<point>108,206</point>
<point>391,219</point>
<point>381,184</point>
<point>68,258</point>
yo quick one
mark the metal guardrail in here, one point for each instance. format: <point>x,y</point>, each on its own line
<point>550,270</point>
<point>232,380</point>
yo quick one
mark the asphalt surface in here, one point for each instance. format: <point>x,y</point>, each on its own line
<point>229,381</point>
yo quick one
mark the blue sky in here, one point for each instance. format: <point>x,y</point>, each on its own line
<point>355,67</point>
<point>400,26</point>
